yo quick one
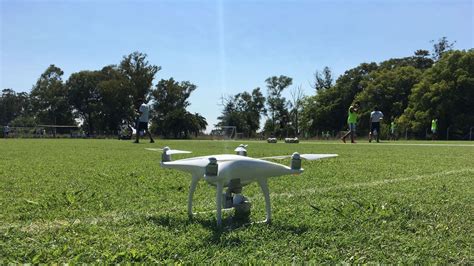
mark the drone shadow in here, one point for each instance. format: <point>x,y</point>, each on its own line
<point>229,225</point>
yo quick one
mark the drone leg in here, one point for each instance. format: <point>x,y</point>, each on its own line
<point>266,193</point>
<point>192,188</point>
<point>219,189</point>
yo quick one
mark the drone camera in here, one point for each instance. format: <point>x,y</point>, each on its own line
<point>212,167</point>
<point>242,207</point>
<point>295,161</point>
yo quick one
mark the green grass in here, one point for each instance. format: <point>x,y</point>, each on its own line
<point>109,201</point>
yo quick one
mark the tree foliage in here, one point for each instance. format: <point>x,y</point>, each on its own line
<point>171,119</point>
<point>296,105</point>
<point>49,98</point>
<point>387,89</point>
<point>116,94</point>
<point>441,47</point>
<point>446,92</point>
<point>243,111</point>
<point>85,98</point>
<point>139,73</point>
<point>322,80</point>
<point>277,106</point>
<point>13,106</point>
<point>102,99</point>
<point>328,109</point>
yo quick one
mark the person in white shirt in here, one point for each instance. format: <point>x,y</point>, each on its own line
<point>6,131</point>
<point>375,117</point>
<point>142,121</point>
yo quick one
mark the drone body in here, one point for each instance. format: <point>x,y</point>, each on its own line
<point>234,172</point>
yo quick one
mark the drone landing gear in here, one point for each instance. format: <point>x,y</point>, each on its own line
<point>232,199</point>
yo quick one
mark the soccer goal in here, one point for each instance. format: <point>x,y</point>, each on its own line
<point>225,133</point>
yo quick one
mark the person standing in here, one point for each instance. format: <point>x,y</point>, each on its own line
<point>6,131</point>
<point>142,121</point>
<point>434,128</point>
<point>375,116</point>
<point>351,122</point>
<point>393,129</point>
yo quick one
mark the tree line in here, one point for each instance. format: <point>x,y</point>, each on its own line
<point>409,90</point>
<point>104,100</point>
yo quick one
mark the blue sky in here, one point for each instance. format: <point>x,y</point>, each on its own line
<point>224,47</point>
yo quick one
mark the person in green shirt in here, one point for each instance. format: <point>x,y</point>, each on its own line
<point>434,128</point>
<point>351,122</point>
<point>393,129</point>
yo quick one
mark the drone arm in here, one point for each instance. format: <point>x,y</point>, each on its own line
<point>219,190</point>
<point>266,193</point>
<point>192,188</point>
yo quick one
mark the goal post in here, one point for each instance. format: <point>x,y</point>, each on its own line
<point>229,132</point>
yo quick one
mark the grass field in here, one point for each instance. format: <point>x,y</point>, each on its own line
<point>109,201</point>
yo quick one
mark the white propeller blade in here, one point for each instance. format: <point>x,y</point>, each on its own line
<point>168,152</point>
<point>153,149</point>
<point>312,157</point>
<point>309,157</point>
<point>176,152</point>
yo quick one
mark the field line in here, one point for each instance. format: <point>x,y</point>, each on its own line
<point>373,183</point>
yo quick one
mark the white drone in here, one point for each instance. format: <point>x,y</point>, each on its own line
<point>234,172</point>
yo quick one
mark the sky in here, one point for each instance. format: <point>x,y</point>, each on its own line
<point>223,47</point>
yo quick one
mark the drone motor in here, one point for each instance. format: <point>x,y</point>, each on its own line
<point>212,167</point>
<point>295,161</point>
<point>165,156</point>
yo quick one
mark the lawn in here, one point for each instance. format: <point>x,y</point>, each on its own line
<point>109,201</point>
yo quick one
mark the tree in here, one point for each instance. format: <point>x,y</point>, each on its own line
<point>328,109</point>
<point>171,119</point>
<point>388,89</point>
<point>441,47</point>
<point>85,98</point>
<point>444,92</point>
<point>322,80</point>
<point>422,61</point>
<point>22,111</point>
<point>139,73</point>
<point>243,111</point>
<point>9,106</point>
<point>116,99</point>
<point>277,105</point>
<point>296,105</point>
<point>49,98</point>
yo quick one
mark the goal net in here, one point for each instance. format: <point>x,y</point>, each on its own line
<point>225,133</point>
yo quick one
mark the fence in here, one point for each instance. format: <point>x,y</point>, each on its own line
<point>40,131</point>
<point>449,133</point>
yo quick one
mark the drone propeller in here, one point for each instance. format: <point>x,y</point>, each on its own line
<point>309,157</point>
<point>168,151</point>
